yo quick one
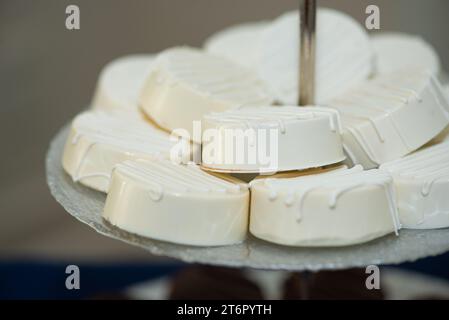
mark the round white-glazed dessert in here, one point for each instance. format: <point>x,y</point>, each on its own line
<point>336,208</point>
<point>391,116</point>
<point>186,83</point>
<point>271,139</point>
<point>99,140</point>
<point>344,55</point>
<point>177,203</point>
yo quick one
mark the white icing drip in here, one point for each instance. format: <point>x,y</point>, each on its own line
<point>350,154</point>
<point>253,117</point>
<point>281,125</point>
<point>391,197</point>
<point>156,195</point>
<point>180,178</point>
<point>334,118</point>
<point>378,99</point>
<point>410,91</point>
<point>367,93</point>
<point>421,160</point>
<point>122,131</point>
<point>155,192</point>
<point>335,195</point>
<point>273,195</point>
<point>355,132</point>
<point>376,129</point>
<point>301,201</point>
<point>119,131</point>
<point>210,76</point>
<point>340,181</point>
<point>423,168</point>
<point>428,166</point>
<point>290,199</point>
<point>76,176</point>
<point>427,187</point>
<point>436,169</point>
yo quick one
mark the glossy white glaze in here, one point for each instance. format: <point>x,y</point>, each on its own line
<point>186,83</point>
<point>381,117</point>
<point>340,207</point>
<point>299,138</point>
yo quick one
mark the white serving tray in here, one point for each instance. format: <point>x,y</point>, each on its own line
<point>86,205</point>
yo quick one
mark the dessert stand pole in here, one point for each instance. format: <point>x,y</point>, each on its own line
<point>306,66</point>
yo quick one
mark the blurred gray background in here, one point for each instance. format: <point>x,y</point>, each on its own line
<point>48,74</point>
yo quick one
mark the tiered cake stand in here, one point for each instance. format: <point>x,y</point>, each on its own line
<point>86,205</point>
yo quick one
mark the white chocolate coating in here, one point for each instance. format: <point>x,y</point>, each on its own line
<point>337,208</point>
<point>422,187</point>
<point>120,82</point>
<point>99,140</point>
<point>177,203</point>
<point>344,55</point>
<point>396,50</point>
<point>239,43</point>
<point>187,83</point>
<point>290,138</point>
<point>391,116</point>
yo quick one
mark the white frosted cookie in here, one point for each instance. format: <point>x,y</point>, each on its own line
<point>395,50</point>
<point>238,43</point>
<point>336,208</point>
<point>120,82</point>
<point>344,55</point>
<point>271,139</point>
<point>391,116</point>
<point>99,140</point>
<point>177,203</point>
<point>187,83</point>
<point>422,187</point>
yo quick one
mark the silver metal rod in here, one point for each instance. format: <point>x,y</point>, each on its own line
<point>307,28</point>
